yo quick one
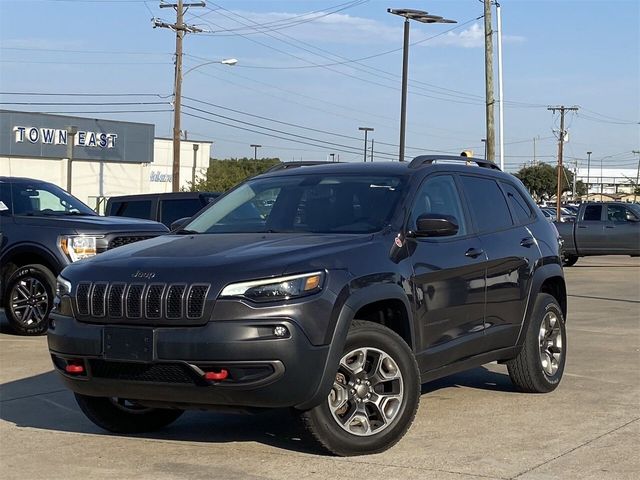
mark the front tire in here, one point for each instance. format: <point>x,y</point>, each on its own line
<point>374,398</point>
<point>28,299</point>
<point>569,260</point>
<point>118,415</point>
<point>539,366</point>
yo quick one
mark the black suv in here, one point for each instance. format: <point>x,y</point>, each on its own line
<point>42,230</point>
<point>162,207</point>
<point>335,289</point>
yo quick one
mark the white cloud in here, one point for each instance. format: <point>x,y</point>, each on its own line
<point>348,29</point>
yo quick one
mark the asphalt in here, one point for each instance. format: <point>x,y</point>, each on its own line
<point>469,426</point>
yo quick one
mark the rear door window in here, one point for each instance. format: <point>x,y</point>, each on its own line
<point>487,204</point>
<point>593,213</point>
<point>172,210</point>
<point>132,208</point>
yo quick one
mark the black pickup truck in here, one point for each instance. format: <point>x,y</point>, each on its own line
<point>42,230</point>
<point>601,229</point>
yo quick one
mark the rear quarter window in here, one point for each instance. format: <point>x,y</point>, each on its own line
<point>131,208</point>
<point>518,203</point>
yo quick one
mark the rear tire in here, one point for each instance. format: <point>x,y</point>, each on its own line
<point>122,416</point>
<point>539,366</point>
<point>28,299</point>
<point>374,398</point>
<point>569,260</point>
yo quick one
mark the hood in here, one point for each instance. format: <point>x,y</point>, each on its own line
<point>218,259</point>
<point>93,223</point>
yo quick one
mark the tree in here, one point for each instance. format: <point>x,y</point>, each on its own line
<point>224,174</point>
<point>541,180</point>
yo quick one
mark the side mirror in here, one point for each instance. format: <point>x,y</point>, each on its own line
<point>632,218</point>
<point>436,225</point>
<point>177,224</point>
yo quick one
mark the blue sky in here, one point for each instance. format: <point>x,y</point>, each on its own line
<point>576,52</point>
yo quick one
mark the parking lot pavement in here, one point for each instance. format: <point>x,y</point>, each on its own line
<point>471,425</point>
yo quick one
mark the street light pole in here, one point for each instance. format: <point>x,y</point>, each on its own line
<point>365,130</point>
<point>255,150</point>
<point>195,161</point>
<point>423,17</point>
<point>71,136</point>
<point>500,97</point>
<point>588,172</point>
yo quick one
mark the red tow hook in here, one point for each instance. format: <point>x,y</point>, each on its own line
<point>218,375</point>
<point>74,368</point>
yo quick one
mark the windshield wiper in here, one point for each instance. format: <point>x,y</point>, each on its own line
<point>184,231</point>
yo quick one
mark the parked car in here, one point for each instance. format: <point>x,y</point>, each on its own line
<point>161,207</point>
<point>361,282</point>
<point>550,214</point>
<point>601,229</point>
<point>42,230</point>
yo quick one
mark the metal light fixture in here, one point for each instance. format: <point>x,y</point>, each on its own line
<point>422,17</point>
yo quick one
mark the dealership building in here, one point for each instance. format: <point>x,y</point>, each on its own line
<point>109,157</point>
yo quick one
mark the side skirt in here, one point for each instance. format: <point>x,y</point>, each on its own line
<point>500,355</point>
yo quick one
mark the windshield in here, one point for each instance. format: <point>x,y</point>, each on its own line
<point>303,203</point>
<point>45,199</point>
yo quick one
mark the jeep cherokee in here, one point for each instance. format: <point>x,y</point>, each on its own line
<point>333,289</point>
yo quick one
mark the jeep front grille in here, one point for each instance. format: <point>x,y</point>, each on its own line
<point>140,301</point>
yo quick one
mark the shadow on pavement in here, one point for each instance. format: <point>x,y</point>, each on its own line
<point>479,378</point>
<point>42,402</point>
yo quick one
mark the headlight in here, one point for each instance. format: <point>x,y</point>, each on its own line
<point>63,287</point>
<point>77,247</point>
<point>272,289</point>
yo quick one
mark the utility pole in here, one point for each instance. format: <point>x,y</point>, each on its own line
<point>488,73</point>
<point>371,150</point>
<point>255,150</point>
<point>562,109</point>
<point>635,190</point>
<point>588,172</point>
<point>181,29</point>
<point>365,130</point>
<point>534,150</point>
<point>333,157</point>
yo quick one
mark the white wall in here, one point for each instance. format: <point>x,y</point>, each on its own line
<point>104,179</point>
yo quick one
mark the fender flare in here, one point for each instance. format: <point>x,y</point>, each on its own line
<point>550,270</point>
<point>356,300</point>
<point>33,249</point>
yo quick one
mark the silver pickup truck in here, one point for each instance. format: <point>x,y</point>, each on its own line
<point>601,229</point>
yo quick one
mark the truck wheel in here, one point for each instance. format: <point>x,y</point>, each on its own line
<point>28,299</point>
<point>118,415</point>
<point>539,366</point>
<point>569,260</point>
<point>374,397</point>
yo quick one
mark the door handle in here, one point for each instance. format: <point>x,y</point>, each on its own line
<point>474,252</point>
<point>609,226</point>
<point>527,242</point>
<point>581,226</point>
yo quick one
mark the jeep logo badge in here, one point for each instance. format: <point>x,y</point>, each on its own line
<point>145,275</point>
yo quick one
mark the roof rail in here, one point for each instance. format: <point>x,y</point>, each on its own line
<point>430,159</point>
<point>286,165</point>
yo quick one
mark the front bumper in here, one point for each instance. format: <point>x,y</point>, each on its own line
<point>165,365</point>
